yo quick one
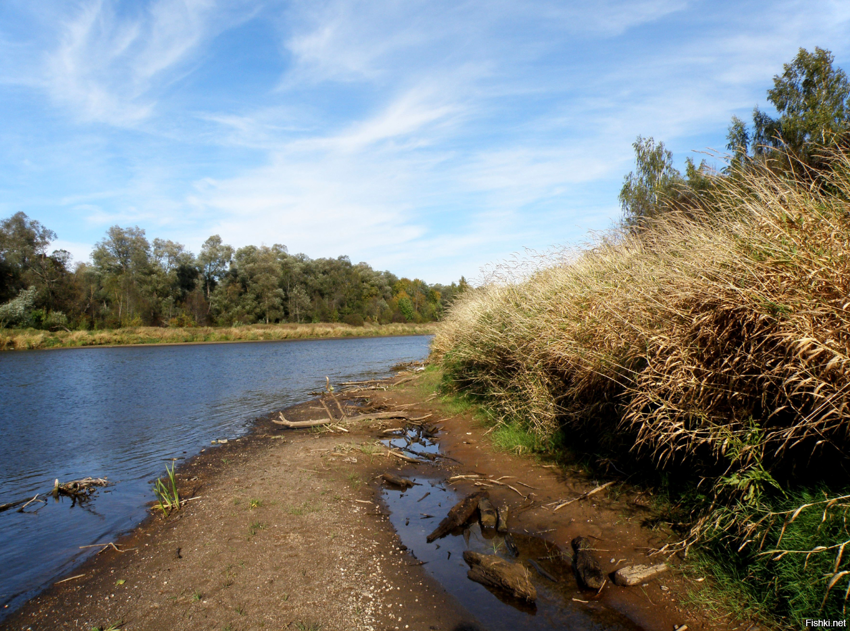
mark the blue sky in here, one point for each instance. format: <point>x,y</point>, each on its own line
<point>427,138</point>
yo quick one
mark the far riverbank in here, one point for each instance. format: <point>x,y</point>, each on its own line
<point>33,339</point>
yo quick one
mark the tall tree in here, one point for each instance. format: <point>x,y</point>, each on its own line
<point>23,255</point>
<point>812,98</point>
<point>123,261</point>
<point>214,260</point>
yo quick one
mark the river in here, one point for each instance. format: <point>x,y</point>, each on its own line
<point>123,413</point>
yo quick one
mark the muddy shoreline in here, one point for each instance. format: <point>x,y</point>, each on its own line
<point>294,529</point>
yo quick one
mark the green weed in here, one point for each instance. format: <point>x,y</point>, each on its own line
<point>168,499</point>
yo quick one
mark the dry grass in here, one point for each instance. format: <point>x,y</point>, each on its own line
<point>719,344</point>
<point>12,339</point>
<point>703,333</point>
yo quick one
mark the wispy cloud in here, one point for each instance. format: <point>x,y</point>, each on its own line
<point>428,137</point>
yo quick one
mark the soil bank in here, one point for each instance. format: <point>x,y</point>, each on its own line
<point>290,531</point>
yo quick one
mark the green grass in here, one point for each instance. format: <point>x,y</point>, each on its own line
<point>517,439</point>
<point>354,481</point>
<point>256,527</point>
<point>168,499</point>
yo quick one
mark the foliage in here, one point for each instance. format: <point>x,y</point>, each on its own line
<point>812,99</point>
<point>18,311</point>
<point>654,178</point>
<point>132,282</point>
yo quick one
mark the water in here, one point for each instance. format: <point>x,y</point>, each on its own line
<point>122,413</point>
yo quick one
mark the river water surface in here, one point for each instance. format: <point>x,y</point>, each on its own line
<point>123,413</point>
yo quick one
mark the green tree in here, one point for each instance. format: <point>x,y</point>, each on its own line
<point>812,98</point>
<point>24,261</point>
<point>214,261</point>
<point>123,261</point>
<point>654,179</point>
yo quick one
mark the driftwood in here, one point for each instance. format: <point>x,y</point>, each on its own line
<point>78,489</point>
<point>495,572</point>
<point>582,496</point>
<point>301,424</point>
<point>325,421</point>
<point>7,506</point>
<point>586,568</point>
<point>487,513</point>
<point>397,480</point>
<point>459,514</point>
<point>635,574</point>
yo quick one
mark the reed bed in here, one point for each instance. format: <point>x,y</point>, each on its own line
<point>714,342</point>
<point>30,339</point>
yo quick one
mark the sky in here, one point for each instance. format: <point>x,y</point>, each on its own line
<point>429,138</point>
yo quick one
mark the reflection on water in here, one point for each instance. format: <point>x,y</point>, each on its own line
<point>122,413</point>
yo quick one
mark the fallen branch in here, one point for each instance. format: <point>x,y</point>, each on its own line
<point>301,424</point>
<point>583,496</point>
<point>401,456</point>
<point>70,578</point>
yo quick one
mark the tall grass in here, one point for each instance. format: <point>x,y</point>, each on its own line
<point>31,339</point>
<point>714,343</point>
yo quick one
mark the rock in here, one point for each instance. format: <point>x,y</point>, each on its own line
<point>636,574</point>
<point>459,514</point>
<point>492,571</point>
<point>487,513</point>
<point>586,568</point>
<point>503,518</point>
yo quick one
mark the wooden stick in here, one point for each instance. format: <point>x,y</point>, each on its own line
<point>4,507</point>
<point>583,496</point>
<point>341,411</point>
<point>302,424</point>
<point>327,409</point>
<point>473,476</point>
<point>70,578</point>
<point>401,456</point>
<point>28,503</point>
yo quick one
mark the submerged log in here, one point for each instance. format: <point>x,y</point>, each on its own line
<point>487,513</point>
<point>586,568</point>
<point>459,514</point>
<point>502,526</point>
<point>492,571</point>
<point>635,574</point>
<point>397,480</point>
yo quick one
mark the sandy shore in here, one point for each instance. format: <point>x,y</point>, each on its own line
<point>289,531</point>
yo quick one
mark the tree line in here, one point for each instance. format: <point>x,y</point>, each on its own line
<point>131,281</point>
<point>812,100</point>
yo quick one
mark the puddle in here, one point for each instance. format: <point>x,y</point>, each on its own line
<point>414,440</point>
<point>416,512</point>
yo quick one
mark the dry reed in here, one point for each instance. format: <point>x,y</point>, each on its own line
<point>715,340</point>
